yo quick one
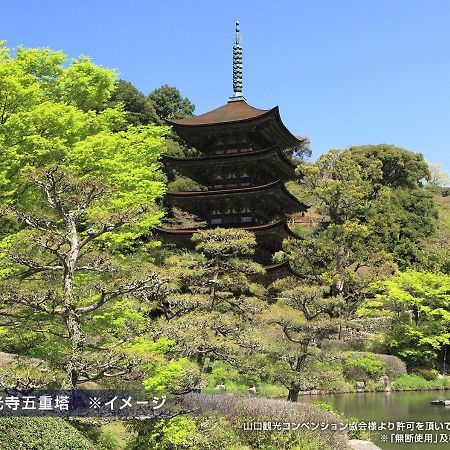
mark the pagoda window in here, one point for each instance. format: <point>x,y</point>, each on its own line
<point>244,175</point>
<point>217,221</point>
<point>245,209</point>
<point>231,175</point>
<point>218,186</point>
<point>245,184</point>
<point>216,212</point>
<point>246,219</point>
<point>232,150</point>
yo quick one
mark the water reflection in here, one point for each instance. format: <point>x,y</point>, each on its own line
<point>392,407</point>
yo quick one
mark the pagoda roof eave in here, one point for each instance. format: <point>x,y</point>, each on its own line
<point>276,188</point>
<point>278,269</point>
<point>231,112</point>
<point>221,119</point>
<point>265,187</point>
<point>252,228</point>
<point>228,157</point>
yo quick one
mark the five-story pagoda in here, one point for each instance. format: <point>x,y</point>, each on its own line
<point>243,166</point>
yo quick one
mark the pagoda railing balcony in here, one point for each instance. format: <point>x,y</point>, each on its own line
<point>236,220</point>
<point>230,151</point>
<point>235,184</point>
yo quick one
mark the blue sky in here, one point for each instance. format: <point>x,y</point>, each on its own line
<point>343,72</point>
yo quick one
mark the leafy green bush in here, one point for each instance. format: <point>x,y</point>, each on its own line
<point>363,367</point>
<point>184,433</point>
<point>271,391</point>
<point>185,184</point>
<point>107,441</point>
<point>103,439</point>
<point>43,433</point>
<point>222,373</point>
<point>330,376</point>
<point>428,374</point>
<point>411,382</point>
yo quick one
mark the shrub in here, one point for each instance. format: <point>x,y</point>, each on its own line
<point>394,366</point>
<point>107,441</point>
<point>331,376</point>
<point>182,433</point>
<point>412,382</point>
<point>272,391</point>
<point>243,410</point>
<point>222,373</point>
<point>104,440</point>
<point>43,433</point>
<point>364,367</point>
<point>428,374</point>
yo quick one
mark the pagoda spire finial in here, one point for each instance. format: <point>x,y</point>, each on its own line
<point>237,67</point>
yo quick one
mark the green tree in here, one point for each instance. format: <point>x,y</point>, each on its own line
<point>400,168</point>
<point>227,265</point>
<point>419,304</point>
<point>76,194</point>
<point>376,216</point>
<point>303,319</point>
<point>214,299</point>
<point>346,251</point>
<point>140,110</point>
<point>169,104</point>
<point>438,176</point>
<point>375,211</point>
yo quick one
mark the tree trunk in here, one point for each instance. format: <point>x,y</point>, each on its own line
<point>416,315</point>
<point>73,328</point>
<point>201,359</point>
<point>341,332</point>
<point>339,287</point>
<point>71,316</point>
<point>212,292</point>
<point>293,394</point>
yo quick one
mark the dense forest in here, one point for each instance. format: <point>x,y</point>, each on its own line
<point>89,297</point>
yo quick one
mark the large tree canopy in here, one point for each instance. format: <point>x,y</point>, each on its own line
<point>169,104</point>
<point>139,108</point>
<point>77,190</point>
<point>380,188</point>
<point>397,167</point>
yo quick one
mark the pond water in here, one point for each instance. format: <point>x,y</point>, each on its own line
<point>394,407</point>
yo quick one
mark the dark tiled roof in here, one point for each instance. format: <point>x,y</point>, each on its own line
<point>235,111</point>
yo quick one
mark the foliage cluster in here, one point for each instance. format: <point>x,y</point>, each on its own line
<point>363,368</point>
<point>419,302</point>
<point>40,433</point>
<point>414,382</point>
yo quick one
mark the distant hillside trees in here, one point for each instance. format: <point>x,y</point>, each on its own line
<point>166,102</point>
